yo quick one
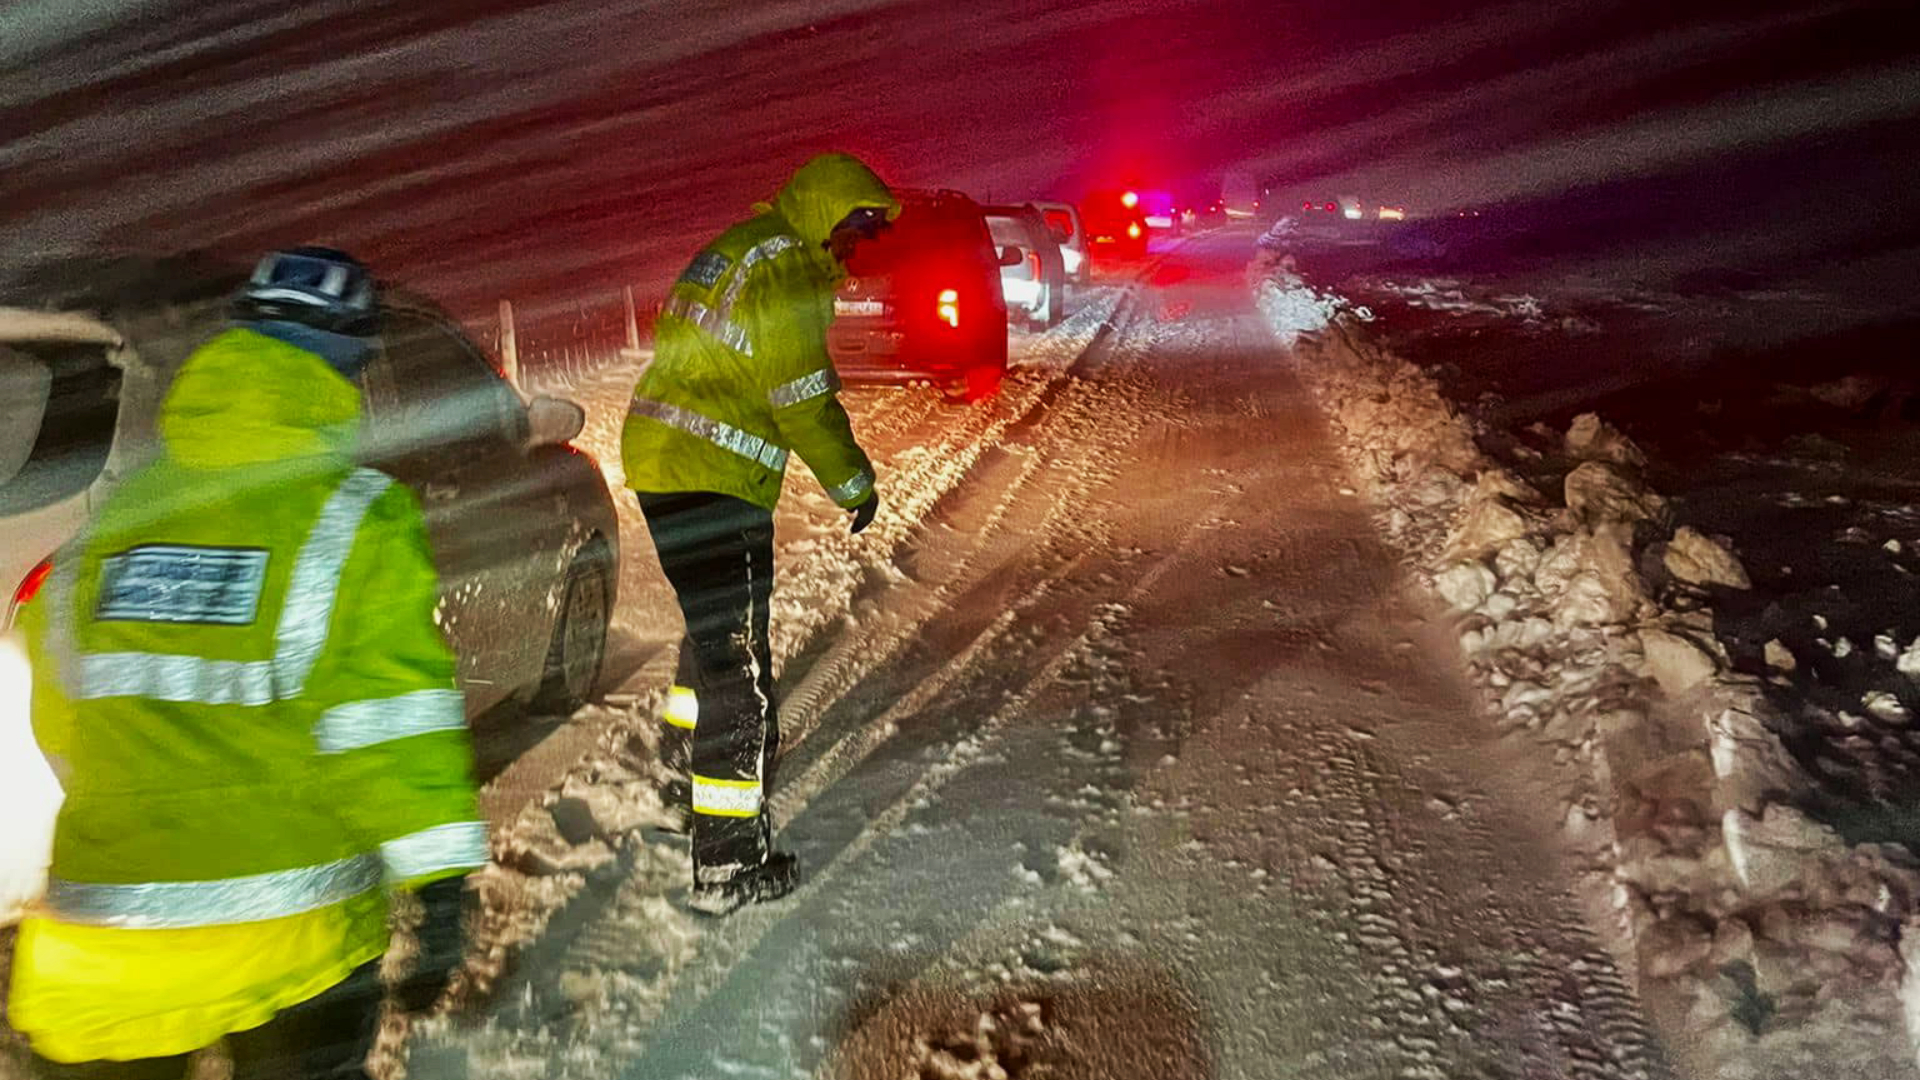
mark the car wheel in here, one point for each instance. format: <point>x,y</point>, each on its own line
<point>982,383</point>
<point>579,644</point>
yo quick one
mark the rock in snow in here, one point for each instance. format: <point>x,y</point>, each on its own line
<point>1884,707</point>
<point>1777,850</point>
<point>1676,662</point>
<point>1697,559</point>
<point>1909,662</point>
<point>1599,492</point>
<point>1590,438</point>
<point>1778,656</point>
<point>1466,585</point>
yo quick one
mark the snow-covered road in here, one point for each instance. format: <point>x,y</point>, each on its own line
<point>1114,753</point>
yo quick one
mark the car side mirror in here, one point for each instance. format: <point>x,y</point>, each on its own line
<point>552,421</point>
<point>1012,256</point>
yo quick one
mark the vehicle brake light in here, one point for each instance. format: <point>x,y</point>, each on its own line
<point>1331,208</point>
<point>1306,206</point>
<point>1133,230</point>
<point>1130,200</point>
<point>29,586</point>
<point>949,310</point>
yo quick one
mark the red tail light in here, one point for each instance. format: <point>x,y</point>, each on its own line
<point>1130,200</point>
<point>29,586</point>
<point>1039,272</point>
<point>1332,209</point>
<point>1133,230</point>
<point>948,310</point>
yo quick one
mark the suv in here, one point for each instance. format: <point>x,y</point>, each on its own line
<point>923,301</point>
<point>1116,226</point>
<point>1063,220</point>
<point>1036,286</point>
<point>522,526</point>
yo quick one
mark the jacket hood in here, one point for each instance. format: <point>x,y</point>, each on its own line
<point>827,189</point>
<point>245,398</point>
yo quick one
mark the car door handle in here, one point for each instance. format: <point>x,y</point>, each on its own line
<point>439,493</point>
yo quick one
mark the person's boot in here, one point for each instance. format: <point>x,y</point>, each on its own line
<point>771,880</point>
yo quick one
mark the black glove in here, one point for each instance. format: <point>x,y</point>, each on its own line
<point>443,944</point>
<point>863,514</point>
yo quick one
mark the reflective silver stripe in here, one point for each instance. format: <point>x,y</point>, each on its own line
<point>359,724</point>
<point>308,609</point>
<point>805,388</point>
<point>714,323</point>
<point>725,798</point>
<point>757,254</point>
<point>853,489</point>
<point>181,904</point>
<point>722,435</point>
<point>302,633</point>
<point>461,845</point>
<point>169,677</point>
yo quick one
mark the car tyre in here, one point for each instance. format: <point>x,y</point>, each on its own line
<point>579,645</point>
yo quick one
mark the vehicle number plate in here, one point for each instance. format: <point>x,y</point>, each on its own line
<point>859,307</point>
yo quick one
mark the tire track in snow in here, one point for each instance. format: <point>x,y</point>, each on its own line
<point>590,923</point>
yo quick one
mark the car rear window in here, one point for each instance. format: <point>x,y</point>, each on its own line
<point>59,402</point>
<point>925,226</point>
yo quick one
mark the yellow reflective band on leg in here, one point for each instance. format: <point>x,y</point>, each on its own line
<point>682,708</point>
<point>725,798</point>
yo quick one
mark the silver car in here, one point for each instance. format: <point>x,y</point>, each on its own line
<point>522,525</point>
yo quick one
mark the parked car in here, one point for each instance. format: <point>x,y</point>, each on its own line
<point>924,301</point>
<point>1063,220</point>
<point>522,526</point>
<point>1036,287</point>
<point>1116,226</point>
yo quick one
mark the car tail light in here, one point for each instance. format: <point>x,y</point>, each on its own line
<point>29,586</point>
<point>1133,230</point>
<point>1039,274</point>
<point>1130,200</point>
<point>948,310</point>
<point>1332,208</point>
<point>1306,206</point>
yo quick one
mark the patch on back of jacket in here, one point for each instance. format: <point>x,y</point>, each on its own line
<point>705,269</point>
<point>182,583</point>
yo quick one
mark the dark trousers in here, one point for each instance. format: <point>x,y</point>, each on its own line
<point>323,1038</point>
<point>717,551</point>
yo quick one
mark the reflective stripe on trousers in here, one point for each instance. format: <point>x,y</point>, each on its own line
<point>726,436</point>
<point>682,708</point>
<point>726,798</point>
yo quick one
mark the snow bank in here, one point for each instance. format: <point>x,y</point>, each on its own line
<point>1770,947</point>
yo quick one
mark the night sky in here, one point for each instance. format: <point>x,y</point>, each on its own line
<point>544,151</point>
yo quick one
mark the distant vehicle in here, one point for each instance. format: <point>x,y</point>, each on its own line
<point>1349,208</point>
<point>924,300</point>
<point>1116,226</point>
<point>1239,194</point>
<point>1036,287</point>
<point>522,526</point>
<point>1162,211</point>
<point>1063,220</point>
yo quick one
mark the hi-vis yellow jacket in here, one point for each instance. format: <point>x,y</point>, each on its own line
<point>740,375</point>
<point>239,678</point>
